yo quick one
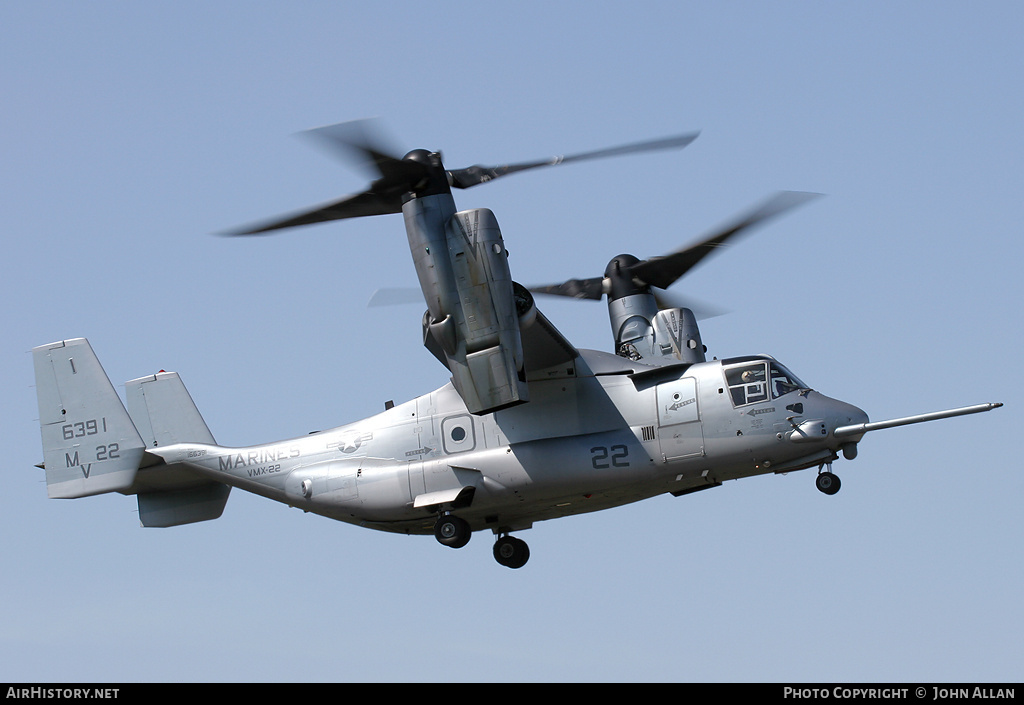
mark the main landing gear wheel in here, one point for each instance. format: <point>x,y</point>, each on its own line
<point>511,552</point>
<point>827,482</point>
<point>452,531</point>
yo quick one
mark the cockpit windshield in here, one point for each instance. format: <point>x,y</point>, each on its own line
<point>759,380</point>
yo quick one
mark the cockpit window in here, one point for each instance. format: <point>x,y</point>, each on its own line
<point>760,381</point>
<point>783,381</point>
<point>748,383</point>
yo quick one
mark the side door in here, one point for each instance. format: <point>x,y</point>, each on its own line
<point>679,429</point>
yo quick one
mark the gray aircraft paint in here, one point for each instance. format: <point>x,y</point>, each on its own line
<point>529,428</point>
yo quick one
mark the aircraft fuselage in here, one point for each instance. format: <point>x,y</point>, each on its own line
<point>615,432</point>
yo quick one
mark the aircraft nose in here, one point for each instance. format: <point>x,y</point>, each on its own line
<point>825,416</point>
<point>843,414</point>
<point>846,415</point>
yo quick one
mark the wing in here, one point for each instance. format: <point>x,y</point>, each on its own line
<point>547,354</point>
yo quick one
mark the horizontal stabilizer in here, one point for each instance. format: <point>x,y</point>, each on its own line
<point>90,445</point>
<point>177,507</point>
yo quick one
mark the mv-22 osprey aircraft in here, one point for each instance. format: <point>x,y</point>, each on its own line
<point>529,427</point>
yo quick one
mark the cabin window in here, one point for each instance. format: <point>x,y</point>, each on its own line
<point>457,434</point>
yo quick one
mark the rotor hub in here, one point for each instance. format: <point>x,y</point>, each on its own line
<point>620,280</point>
<point>425,157</point>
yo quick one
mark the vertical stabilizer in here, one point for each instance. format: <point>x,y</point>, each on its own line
<point>90,445</point>
<point>163,411</point>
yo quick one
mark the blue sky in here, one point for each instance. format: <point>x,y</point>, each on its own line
<point>131,132</point>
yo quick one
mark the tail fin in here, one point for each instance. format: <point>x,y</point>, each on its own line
<point>164,413</point>
<point>90,445</point>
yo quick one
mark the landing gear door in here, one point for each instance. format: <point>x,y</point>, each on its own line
<point>679,427</point>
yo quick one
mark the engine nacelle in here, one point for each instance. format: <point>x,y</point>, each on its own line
<point>643,332</point>
<point>676,333</point>
<point>474,322</point>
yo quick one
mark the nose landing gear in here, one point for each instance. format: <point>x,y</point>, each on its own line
<point>511,552</point>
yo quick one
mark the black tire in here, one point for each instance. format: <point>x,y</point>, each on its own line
<point>827,483</point>
<point>452,531</point>
<point>511,552</point>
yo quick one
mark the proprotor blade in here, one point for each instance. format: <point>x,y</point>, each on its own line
<point>361,143</point>
<point>701,309</point>
<point>418,173</point>
<point>574,288</point>
<point>477,174</point>
<point>663,271</point>
<point>358,142</point>
<point>357,206</point>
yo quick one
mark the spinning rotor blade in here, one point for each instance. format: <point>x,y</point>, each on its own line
<point>592,289</point>
<point>701,309</point>
<point>357,206</point>
<point>663,271</point>
<point>658,273</point>
<point>395,296</point>
<point>418,172</point>
<point>477,174</point>
<point>359,142</point>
